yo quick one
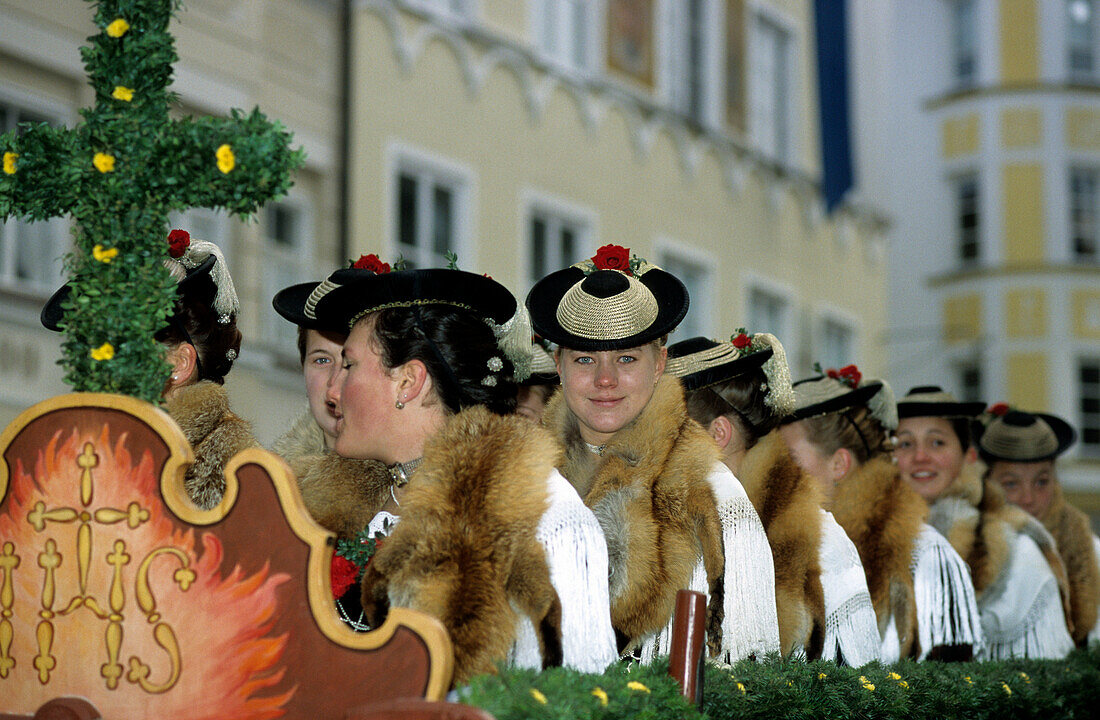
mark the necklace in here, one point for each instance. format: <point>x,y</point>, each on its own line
<point>357,625</point>
<point>401,472</point>
<point>598,449</point>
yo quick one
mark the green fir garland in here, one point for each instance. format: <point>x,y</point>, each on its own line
<point>118,174</point>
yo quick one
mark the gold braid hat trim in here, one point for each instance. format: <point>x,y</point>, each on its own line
<point>612,318</point>
<point>1010,441</point>
<point>703,360</point>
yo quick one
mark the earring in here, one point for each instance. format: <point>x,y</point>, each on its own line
<point>175,378</point>
<point>399,405</point>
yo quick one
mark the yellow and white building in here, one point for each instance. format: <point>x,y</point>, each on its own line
<point>520,135</point>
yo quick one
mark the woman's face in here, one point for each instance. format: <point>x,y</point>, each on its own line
<point>929,454</point>
<point>1028,484</point>
<point>606,390</point>
<point>531,401</point>
<point>809,457</point>
<point>364,392</point>
<point>322,361</point>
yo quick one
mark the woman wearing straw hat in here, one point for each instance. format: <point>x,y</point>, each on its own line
<point>1021,450</point>
<point>674,516</point>
<point>484,533</point>
<point>740,391</point>
<point>840,432</point>
<point>537,389</point>
<point>202,341</point>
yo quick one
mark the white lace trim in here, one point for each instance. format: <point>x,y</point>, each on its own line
<point>947,609</point>
<point>1094,634</point>
<point>851,628</point>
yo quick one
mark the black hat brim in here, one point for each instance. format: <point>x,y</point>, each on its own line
<point>856,397</point>
<point>546,295</point>
<point>290,304</point>
<point>1063,432</point>
<point>939,409</point>
<point>718,373</point>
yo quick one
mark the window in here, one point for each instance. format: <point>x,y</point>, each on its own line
<point>767,313</point>
<point>1090,407</point>
<point>554,242</point>
<point>287,260</point>
<point>563,31</point>
<point>31,253</point>
<point>696,277</point>
<point>970,382</point>
<point>1081,39</point>
<point>687,65</point>
<point>837,344</point>
<point>771,89</point>
<point>1084,184</point>
<point>968,218</point>
<point>428,213</point>
<point>965,43</point>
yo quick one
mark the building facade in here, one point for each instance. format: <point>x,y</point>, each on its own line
<point>516,135</point>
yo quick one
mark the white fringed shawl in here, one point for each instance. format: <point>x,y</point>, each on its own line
<point>851,628</point>
<point>1094,634</point>
<point>750,626</point>
<point>947,609</point>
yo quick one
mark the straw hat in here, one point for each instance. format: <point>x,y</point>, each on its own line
<point>1019,436</point>
<point>823,395</point>
<point>700,362</point>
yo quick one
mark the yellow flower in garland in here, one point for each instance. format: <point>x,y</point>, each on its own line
<point>894,676</point>
<point>106,351</point>
<point>226,160</point>
<point>968,680</point>
<point>741,688</point>
<point>1008,690</point>
<point>102,255</point>
<point>635,685</point>
<point>104,163</point>
<point>821,676</point>
<point>123,93</point>
<point>867,684</point>
<point>9,163</point>
<point>600,695</point>
<point>904,684</point>
<point>1025,677</point>
<point>539,697</point>
<point>118,28</point>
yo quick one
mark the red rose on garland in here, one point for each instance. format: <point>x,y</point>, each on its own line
<point>373,263</point>
<point>742,341</point>
<point>343,574</point>
<point>178,242</point>
<point>612,257</point>
<point>998,409</point>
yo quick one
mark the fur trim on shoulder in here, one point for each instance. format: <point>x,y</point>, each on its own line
<point>465,550</point>
<point>650,492</point>
<point>883,516</point>
<point>303,438</point>
<point>216,435</point>
<point>789,504</point>
<point>1073,536</point>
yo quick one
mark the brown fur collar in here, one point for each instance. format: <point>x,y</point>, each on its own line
<point>883,517</point>
<point>342,494</point>
<point>465,550</point>
<point>215,433</point>
<point>789,504</point>
<point>981,525</point>
<point>1073,535</point>
<point>650,493</point>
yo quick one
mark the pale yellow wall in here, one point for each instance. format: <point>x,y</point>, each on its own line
<point>510,18</point>
<point>1025,314</point>
<point>961,135</point>
<point>1085,311</point>
<point>1023,214</point>
<point>962,317</point>
<point>1083,128</point>
<point>1019,41</point>
<point>1027,380</point>
<point>1021,127</point>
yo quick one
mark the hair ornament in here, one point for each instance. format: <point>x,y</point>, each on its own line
<point>230,354</point>
<point>495,364</point>
<point>883,406</point>
<point>780,397</point>
<point>489,381</point>
<point>514,340</point>
<point>193,253</point>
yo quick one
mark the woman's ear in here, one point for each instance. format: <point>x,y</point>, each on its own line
<point>971,455</point>
<point>185,366</point>
<point>662,358</point>
<point>721,429</point>
<point>412,381</point>
<point>840,464</point>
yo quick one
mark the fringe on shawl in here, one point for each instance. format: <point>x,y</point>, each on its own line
<point>851,628</point>
<point>947,608</point>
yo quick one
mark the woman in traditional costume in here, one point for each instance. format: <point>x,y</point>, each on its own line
<point>674,516</point>
<point>740,391</point>
<point>840,433</point>
<point>1020,450</point>
<point>483,532</point>
<point>202,341</point>
<point>537,388</point>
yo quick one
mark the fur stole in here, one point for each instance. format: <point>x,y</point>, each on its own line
<point>650,493</point>
<point>215,433</point>
<point>789,505</point>
<point>341,494</point>
<point>465,550</point>
<point>981,525</point>
<point>1073,535</point>
<point>883,516</point>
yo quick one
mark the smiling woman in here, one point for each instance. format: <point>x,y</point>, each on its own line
<point>674,516</point>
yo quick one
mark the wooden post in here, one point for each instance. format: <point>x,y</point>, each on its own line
<point>685,663</point>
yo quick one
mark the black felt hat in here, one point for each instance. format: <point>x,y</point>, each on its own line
<point>700,362</point>
<point>822,395</point>
<point>933,401</point>
<point>1019,436</point>
<point>584,308</point>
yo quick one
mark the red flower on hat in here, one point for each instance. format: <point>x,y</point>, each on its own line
<point>849,375</point>
<point>612,257</point>
<point>343,574</point>
<point>742,341</point>
<point>998,409</point>
<point>372,263</point>
<point>178,242</point>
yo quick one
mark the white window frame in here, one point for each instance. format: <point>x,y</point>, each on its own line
<point>564,21</point>
<point>561,211</point>
<point>786,148</point>
<point>436,170</point>
<point>787,330</point>
<point>702,308</point>
<point>460,11</point>
<point>671,47</point>
<point>278,334</point>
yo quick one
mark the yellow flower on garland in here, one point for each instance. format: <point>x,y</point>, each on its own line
<point>635,685</point>
<point>539,697</point>
<point>226,160</point>
<point>894,676</point>
<point>1025,677</point>
<point>867,684</point>
<point>1008,690</point>
<point>599,694</point>
<point>104,256</point>
<point>118,28</point>
<point>104,163</point>
<point>821,676</point>
<point>106,351</point>
<point>904,684</point>
<point>968,680</point>
<point>9,163</point>
<point>123,93</point>
<point>741,688</point>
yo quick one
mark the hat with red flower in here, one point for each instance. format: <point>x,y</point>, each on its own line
<point>290,302</point>
<point>837,390</point>
<point>612,301</point>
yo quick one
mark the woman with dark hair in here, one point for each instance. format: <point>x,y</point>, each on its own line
<point>740,391</point>
<point>483,532</point>
<point>202,341</point>
<point>840,433</point>
<point>674,516</point>
<point>537,389</point>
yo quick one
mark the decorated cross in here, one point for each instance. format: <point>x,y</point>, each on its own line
<point>119,174</point>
